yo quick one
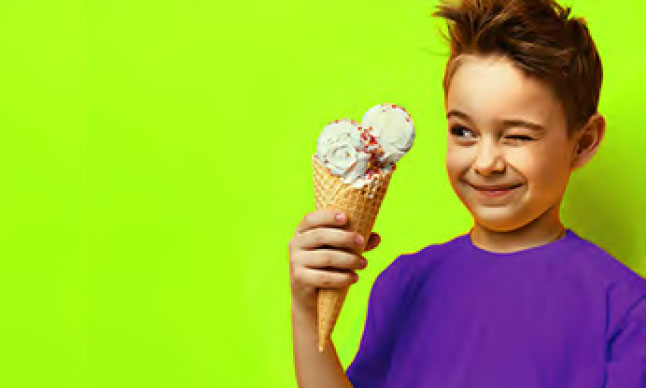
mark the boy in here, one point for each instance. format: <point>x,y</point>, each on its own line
<point>519,300</point>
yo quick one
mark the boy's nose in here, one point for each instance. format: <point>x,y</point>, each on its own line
<point>489,159</point>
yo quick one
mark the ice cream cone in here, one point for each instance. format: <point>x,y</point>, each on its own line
<point>361,206</point>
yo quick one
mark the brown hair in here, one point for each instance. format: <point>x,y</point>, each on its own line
<point>538,37</point>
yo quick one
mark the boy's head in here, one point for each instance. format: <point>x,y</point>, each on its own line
<point>521,92</point>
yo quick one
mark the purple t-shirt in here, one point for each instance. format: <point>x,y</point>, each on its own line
<point>561,315</point>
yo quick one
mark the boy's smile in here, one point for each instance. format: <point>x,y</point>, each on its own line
<point>509,158</point>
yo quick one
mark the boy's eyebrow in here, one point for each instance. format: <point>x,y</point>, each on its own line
<point>505,123</point>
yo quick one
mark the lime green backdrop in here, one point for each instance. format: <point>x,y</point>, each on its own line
<point>156,159</point>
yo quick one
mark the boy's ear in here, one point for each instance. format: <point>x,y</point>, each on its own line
<point>587,140</point>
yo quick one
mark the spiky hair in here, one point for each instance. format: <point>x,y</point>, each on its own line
<point>539,37</point>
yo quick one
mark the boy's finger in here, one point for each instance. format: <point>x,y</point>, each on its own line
<point>373,241</point>
<point>324,217</point>
<point>328,237</point>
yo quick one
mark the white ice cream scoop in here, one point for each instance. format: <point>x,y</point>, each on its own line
<point>394,128</point>
<point>341,149</point>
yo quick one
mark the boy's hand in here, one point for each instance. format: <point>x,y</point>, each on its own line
<point>323,255</point>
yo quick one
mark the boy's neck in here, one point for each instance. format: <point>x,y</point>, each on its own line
<point>543,230</point>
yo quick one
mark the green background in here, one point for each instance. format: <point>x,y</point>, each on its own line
<point>156,160</point>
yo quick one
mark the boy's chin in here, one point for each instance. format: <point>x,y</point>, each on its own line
<point>498,220</point>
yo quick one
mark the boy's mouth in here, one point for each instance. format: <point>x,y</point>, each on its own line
<point>494,190</point>
<point>495,187</point>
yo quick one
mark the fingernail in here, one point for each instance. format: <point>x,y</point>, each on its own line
<point>363,262</point>
<point>355,277</point>
<point>360,240</point>
<point>339,217</point>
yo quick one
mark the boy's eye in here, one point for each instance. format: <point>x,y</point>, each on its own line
<point>457,130</point>
<point>520,137</point>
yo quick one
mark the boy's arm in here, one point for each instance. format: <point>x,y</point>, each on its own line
<point>314,369</point>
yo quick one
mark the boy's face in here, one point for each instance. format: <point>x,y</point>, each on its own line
<point>505,129</point>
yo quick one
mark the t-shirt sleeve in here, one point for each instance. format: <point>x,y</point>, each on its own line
<point>626,341</point>
<point>370,366</point>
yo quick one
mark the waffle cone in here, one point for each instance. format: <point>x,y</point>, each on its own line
<point>361,207</point>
